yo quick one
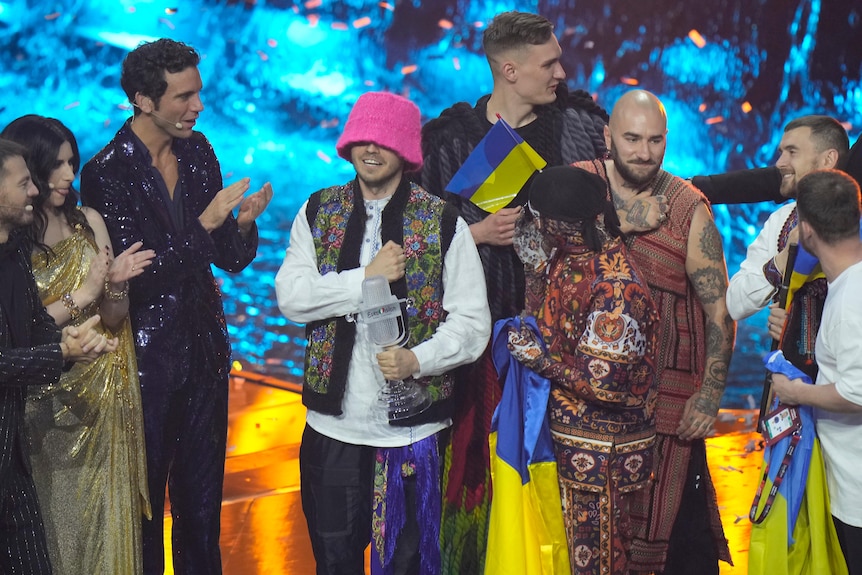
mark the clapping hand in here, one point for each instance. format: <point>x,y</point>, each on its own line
<point>129,264</point>
<point>643,213</point>
<point>252,207</point>
<point>223,204</point>
<point>92,286</point>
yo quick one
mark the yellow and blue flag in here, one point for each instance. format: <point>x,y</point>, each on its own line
<point>797,537</point>
<point>806,268</point>
<point>526,533</point>
<point>496,169</point>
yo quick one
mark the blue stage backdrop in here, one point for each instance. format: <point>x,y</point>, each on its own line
<point>280,77</point>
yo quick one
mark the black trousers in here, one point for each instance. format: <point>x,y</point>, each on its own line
<point>23,547</point>
<point>850,538</point>
<point>337,482</point>
<point>186,432</point>
<point>692,548</point>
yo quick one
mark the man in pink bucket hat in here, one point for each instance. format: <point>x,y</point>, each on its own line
<point>369,476</point>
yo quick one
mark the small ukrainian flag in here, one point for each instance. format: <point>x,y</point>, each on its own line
<point>496,169</point>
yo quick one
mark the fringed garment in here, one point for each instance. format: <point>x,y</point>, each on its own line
<point>392,466</point>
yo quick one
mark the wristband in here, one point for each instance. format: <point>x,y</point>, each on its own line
<point>71,306</point>
<point>116,295</point>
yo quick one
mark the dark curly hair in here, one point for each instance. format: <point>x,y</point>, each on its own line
<point>42,138</point>
<point>144,68</point>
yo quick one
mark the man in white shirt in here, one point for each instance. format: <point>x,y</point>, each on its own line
<point>829,212</point>
<point>809,143</point>
<point>362,473</point>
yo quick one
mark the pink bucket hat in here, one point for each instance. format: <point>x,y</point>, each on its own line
<point>388,120</point>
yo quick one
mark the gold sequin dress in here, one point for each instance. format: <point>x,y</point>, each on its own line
<point>87,440</point>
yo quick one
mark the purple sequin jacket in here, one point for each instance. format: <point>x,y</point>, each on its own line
<point>176,302</point>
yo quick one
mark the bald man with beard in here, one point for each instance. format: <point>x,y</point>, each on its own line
<point>676,525</point>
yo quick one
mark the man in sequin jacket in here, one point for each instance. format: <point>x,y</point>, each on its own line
<point>158,181</point>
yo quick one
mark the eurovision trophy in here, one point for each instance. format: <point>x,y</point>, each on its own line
<point>382,314</point>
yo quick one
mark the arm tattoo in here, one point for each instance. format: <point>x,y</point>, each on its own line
<point>710,243</point>
<point>714,337</point>
<point>711,391</point>
<point>719,345</point>
<point>718,356</point>
<point>709,283</point>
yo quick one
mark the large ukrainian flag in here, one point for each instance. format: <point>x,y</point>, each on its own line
<point>496,169</point>
<point>526,534</point>
<point>797,537</point>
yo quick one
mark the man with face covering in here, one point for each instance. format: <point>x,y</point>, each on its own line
<point>597,322</point>
<point>366,477</point>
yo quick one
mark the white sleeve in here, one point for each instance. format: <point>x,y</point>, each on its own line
<point>749,291</point>
<point>463,335</point>
<point>848,342</point>
<point>303,294</point>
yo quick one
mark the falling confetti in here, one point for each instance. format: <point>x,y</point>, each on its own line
<point>695,37</point>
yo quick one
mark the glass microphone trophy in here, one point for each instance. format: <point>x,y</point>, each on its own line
<point>387,326</point>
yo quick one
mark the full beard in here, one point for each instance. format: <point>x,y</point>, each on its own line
<point>639,181</point>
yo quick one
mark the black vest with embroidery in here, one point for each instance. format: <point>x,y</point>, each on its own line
<point>424,225</point>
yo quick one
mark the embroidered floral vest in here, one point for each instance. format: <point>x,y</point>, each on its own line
<point>424,225</point>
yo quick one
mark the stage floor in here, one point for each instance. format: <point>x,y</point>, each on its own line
<point>263,529</point>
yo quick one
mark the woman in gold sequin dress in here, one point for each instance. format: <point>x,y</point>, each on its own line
<point>86,432</point>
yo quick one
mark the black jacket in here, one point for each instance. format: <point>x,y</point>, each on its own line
<point>30,353</point>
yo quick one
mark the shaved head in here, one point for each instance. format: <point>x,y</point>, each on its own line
<point>635,137</point>
<point>637,102</point>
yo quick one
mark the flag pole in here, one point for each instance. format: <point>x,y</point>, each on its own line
<point>781,299</point>
<point>509,130</point>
